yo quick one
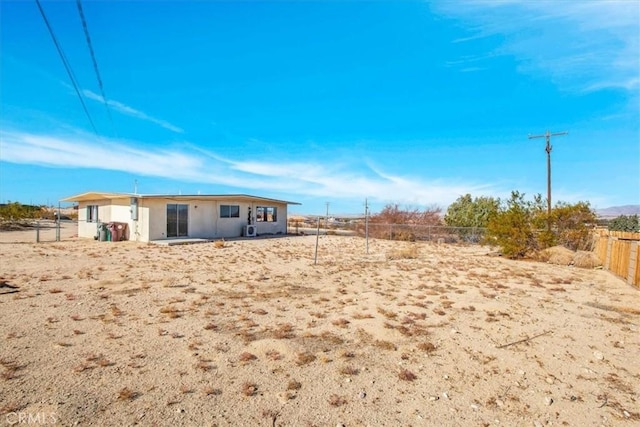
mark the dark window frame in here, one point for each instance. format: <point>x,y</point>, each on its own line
<point>266,214</point>
<point>92,213</point>
<point>232,211</point>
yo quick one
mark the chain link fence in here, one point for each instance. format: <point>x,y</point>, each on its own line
<point>401,232</point>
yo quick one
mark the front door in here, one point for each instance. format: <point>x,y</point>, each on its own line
<point>177,220</point>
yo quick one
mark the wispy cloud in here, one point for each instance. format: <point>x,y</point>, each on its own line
<point>581,46</point>
<point>130,111</point>
<point>190,164</point>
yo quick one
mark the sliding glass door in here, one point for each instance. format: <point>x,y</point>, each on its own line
<point>177,220</point>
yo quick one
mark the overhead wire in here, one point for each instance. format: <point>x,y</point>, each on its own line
<point>67,66</point>
<point>95,63</point>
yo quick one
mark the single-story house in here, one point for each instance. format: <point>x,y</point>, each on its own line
<point>156,217</point>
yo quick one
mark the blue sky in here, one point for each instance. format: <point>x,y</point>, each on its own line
<point>408,102</point>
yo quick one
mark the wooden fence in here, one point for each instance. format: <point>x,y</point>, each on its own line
<point>619,252</point>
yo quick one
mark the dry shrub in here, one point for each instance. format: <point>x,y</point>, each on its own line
<point>558,255</point>
<point>584,259</point>
<point>249,389</point>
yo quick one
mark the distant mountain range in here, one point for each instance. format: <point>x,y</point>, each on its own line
<point>616,211</point>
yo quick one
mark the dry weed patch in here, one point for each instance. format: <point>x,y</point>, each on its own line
<point>273,355</point>
<point>211,391</point>
<point>127,394</point>
<point>304,358</point>
<point>246,357</point>
<point>284,331</point>
<point>410,252</point>
<point>387,313</point>
<point>341,323</point>
<point>362,316</point>
<point>349,370</point>
<point>294,385</point>
<point>406,375</point>
<point>385,345</point>
<point>249,389</point>
<point>336,400</point>
<point>427,347</point>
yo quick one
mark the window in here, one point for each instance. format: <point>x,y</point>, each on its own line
<point>266,214</point>
<point>229,211</point>
<point>92,213</point>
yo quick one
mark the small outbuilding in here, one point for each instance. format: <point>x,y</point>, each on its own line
<point>159,217</point>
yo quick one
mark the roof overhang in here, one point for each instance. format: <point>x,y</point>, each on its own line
<point>97,196</point>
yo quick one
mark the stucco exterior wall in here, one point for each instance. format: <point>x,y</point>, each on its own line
<point>203,218</point>
<point>117,210</point>
<point>277,227</point>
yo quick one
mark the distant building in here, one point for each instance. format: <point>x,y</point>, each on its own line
<point>159,217</point>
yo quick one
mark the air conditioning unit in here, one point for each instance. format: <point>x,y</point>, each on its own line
<point>250,231</point>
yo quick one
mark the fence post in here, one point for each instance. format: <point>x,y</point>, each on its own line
<point>633,262</point>
<point>315,257</point>
<point>607,261</point>
<point>37,231</point>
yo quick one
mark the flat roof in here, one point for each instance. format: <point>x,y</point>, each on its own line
<point>97,195</point>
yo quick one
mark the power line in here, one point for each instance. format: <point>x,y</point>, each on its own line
<point>95,62</point>
<point>548,149</point>
<point>66,66</point>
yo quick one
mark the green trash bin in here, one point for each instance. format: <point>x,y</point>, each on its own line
<point>103,233</point>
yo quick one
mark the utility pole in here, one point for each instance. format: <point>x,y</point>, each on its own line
<point>366,223</point>
<point>326,218</point>
<point>548,149</point>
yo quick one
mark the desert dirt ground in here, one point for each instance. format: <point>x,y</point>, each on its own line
<point>253,333</point>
